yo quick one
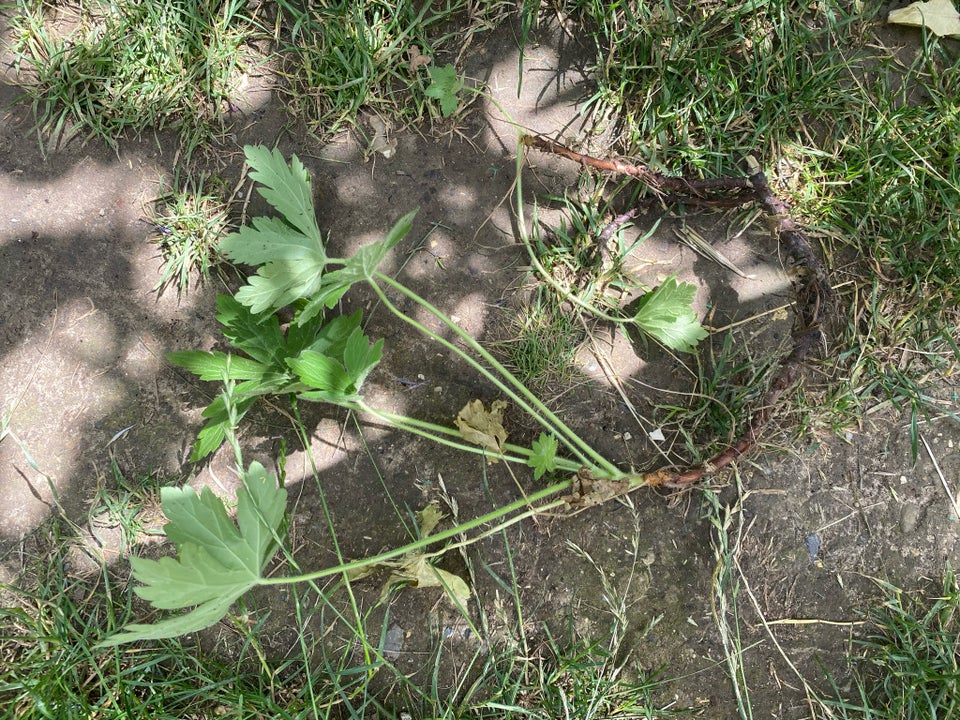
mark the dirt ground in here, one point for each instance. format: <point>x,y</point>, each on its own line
<point>83,335</point>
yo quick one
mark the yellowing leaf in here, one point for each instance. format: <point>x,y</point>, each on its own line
<point>429,518</point>
<point>939,17</point>
<point>415,570</point>
<point>483,428</point>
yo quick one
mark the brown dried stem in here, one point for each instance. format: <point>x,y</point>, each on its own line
<point>814,294</point>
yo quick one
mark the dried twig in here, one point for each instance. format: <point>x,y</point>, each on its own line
<point>655,180</point>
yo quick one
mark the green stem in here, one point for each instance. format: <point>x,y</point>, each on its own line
<point>444,436</point>
<point>491,516</point>
<point>542,271</point>
<point>519,394</point>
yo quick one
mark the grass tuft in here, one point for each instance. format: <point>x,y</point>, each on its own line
<point>103,68</point>
<point>190,220</point>
<point>909,666</point>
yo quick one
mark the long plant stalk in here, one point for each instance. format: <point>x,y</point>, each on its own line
<point>499,376</point>
<point>417,545</point>
<point>445,436</point>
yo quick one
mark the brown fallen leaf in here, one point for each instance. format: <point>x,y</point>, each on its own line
<point>381,142</point>
<point>414,568</point>
<point>939,17</point>
<point>588,491</point>
<point>483,428</point>
<point>416,59</point>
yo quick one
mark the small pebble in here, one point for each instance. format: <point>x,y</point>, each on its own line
<point>909,517</point>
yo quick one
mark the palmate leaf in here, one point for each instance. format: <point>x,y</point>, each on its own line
<point>259,336</point>
<point>218,561</point>
<point>278,284</point>
<point>285,187</point>
<point>666,315</point>
<point>218,365</point>
<point>544,456</point>
<point>444,86</point>
<point>337,376</point>
<point>289,249</point>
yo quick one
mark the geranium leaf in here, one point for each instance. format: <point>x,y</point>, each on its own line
<point>218,365</point>
<point>217,561</point>
<point>290,249</point>
<point>666,315</point>
<point>544,456</point>
<point>259,336</point>
<point>320,371</point>
<point>286,187</point>
<point>444,86</point>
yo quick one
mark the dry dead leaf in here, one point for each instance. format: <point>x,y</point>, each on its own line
<point>483,428</point>
<point>939,17</point>
<point>588,491</point>
<point>416,59</point>
<point>414,568</point>
<point>429,518</point>
<point>382,142</point>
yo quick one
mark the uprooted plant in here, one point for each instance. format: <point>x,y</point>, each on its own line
<point>327,359</point>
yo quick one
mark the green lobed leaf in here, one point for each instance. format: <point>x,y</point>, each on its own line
<point>202,616</point>
<point>332,337</point>
<point>290,250</point>
<point>666,314</point>
<point>360,357</point>
<point>278,284</point>
<point>218,365</point>
<point>286,186</point>
<point>217,562</point>
<point>321,372</point>
<point>444,86</point>
<point>259,336</point>
<point>270,239</point>
<point>543,459</point>
<point>357,268</point>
